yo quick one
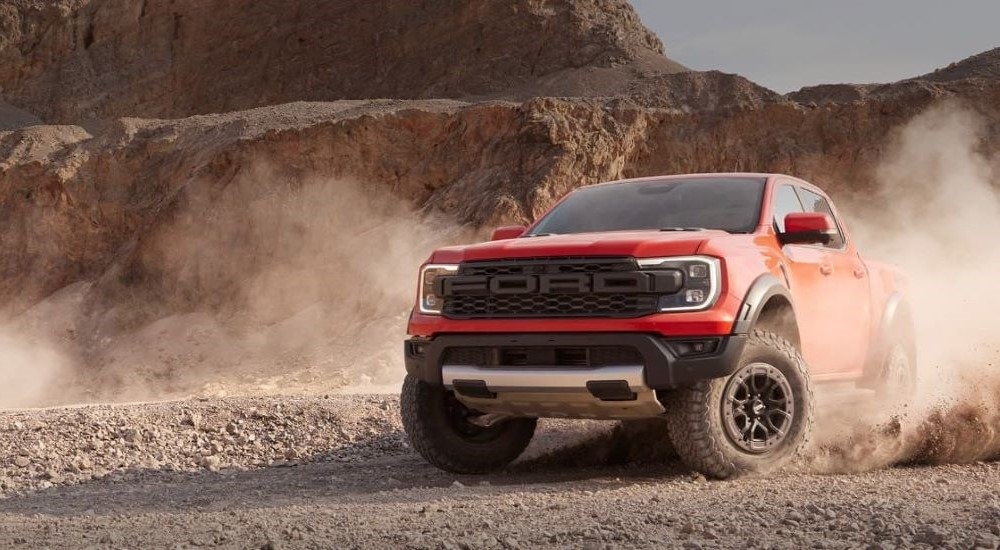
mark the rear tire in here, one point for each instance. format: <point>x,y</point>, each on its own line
<point>438,427</point>
<point>754,421</point>
<point>897,379</point>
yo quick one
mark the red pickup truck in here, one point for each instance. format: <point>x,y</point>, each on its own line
<point>714,301</point>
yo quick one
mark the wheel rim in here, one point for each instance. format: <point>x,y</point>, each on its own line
<point>758,408</point>
<point>458,418</point>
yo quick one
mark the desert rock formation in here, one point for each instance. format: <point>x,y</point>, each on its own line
<point>74,60</point>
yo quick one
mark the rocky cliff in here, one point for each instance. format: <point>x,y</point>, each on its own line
<point>316,213</point>
<point>72,60</point>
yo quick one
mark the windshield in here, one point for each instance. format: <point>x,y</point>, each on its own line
<point>730,204</point>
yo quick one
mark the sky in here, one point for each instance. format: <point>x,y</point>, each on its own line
<point>787,44</point>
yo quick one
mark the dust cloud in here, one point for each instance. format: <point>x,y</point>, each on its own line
<point>29,367</point>
<point>936,215</point>
<point>283,284</point>
<point>267,284</point>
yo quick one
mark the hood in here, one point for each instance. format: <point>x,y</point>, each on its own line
<point>641,244</point>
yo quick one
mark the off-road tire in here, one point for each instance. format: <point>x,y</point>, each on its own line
<point>432,432</point>
<point>695,415</point>
<point>897,388</point>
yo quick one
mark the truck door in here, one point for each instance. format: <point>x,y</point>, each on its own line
<point>846,305</point>
<point>808,269</point>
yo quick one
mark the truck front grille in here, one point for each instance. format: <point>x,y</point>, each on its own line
<point>554,287</point>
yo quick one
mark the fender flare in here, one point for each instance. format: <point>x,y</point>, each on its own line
<point>763,289</point>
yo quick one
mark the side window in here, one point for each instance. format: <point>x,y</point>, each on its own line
<point>785,203</point>
<point>816,203</point>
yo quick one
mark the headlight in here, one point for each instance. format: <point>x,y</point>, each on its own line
<point>430,302</point>
<point>702,281</point>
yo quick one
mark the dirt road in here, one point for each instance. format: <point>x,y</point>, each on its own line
<point>337,472</point>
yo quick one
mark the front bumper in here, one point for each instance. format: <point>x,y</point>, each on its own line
<point>660,365</point>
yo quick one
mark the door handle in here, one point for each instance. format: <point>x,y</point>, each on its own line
<point>826,269</point>
<point>859,272</point>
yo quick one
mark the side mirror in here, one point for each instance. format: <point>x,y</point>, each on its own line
<point>808,228</point>
<point>508,232</point>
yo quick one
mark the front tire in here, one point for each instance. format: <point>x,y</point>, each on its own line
<point>754,421</point>
<point>438,426</point>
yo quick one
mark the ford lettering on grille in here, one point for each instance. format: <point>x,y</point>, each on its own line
<point>606,283</point>
<point>589,287</point>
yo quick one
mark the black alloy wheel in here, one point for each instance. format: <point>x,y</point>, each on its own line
<point>758,407</point>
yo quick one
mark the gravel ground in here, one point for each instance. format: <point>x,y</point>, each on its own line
<point>336,472</point>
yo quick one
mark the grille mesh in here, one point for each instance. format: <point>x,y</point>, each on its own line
<point>550,305</point>
<point>467,356</point>
<point>595,356</point>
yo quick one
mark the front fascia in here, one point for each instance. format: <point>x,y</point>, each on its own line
<point>716,321</point>
<point>743,259</point>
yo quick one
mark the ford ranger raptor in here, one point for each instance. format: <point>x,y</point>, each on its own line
<point>713,301</point>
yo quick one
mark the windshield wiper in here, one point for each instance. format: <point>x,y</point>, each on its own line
<point>683,229</point>
<point>538,235</point>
